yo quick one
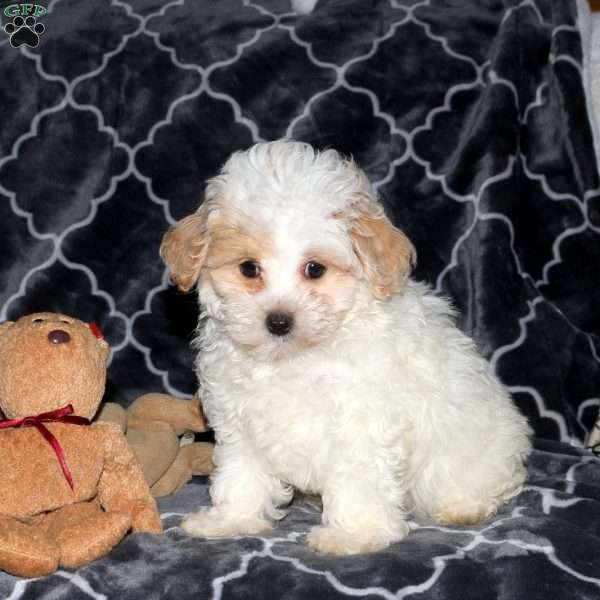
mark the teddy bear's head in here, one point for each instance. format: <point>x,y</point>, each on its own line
<point>49,360</point>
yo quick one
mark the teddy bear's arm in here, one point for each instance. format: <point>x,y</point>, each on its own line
<point>181,415</point>
<point>122,487</point>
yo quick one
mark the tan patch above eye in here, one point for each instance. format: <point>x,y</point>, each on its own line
<point>230,246</point>
<point>335,264</point>
<point>229,279</point>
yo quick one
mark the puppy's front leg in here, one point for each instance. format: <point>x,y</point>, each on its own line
<point>362,511</point>
<point>244,495</point>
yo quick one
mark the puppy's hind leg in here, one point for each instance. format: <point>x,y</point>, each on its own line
<point>244,496</point>
<point>461,497</point>
<point>465,512</point>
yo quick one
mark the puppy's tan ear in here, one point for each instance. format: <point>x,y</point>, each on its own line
<point>184,248</point>
<point>386,254</point>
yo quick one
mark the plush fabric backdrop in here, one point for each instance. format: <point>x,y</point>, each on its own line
<point>476,136</point>
<point>470,117</point>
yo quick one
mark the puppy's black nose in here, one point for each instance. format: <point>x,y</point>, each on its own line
<point>279,323</point>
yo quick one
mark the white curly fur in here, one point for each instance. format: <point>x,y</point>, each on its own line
<point>374,399</point>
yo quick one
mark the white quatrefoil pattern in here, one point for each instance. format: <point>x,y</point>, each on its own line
<point>471,121</point>
<point>470,118</point>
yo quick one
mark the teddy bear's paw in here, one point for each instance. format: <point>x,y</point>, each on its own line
<point>26,550</point>
<point>214,523</point>
<point>87,540</point>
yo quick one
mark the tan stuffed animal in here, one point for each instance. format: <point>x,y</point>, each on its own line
<point>160,430</point>
<point>70,491</point>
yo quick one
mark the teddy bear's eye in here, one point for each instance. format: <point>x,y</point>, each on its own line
<point>38,320</point>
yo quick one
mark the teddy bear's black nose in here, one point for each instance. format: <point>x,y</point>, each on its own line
<point>58,336</point>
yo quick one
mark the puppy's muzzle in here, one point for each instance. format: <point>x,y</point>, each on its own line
<point>279,323</point>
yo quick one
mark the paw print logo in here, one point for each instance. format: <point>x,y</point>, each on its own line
<point>24,31</point>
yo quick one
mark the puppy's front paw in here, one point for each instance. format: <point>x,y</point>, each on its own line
<point>213,523</point>
<point>332,540</point>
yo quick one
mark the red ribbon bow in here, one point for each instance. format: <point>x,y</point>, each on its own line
<point>63,415</point>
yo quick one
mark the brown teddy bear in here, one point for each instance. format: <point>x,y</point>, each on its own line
<point>160,430</point>
<point>70,491</point>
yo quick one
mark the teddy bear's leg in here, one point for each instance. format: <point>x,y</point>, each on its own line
<point>26,550</point>
<point>192,459</point>
<point>84,532</point>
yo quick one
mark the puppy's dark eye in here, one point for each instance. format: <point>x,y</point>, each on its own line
<point>314,270</point>
<point>250,269</point>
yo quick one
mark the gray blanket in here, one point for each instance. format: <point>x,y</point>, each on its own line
<point>544,544</point>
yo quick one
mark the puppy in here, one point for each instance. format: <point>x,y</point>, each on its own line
<point>323,367</point>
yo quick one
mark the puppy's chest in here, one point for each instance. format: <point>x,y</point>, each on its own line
<point>293,422</point>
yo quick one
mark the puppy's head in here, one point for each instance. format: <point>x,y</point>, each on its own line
<point>287,246</point>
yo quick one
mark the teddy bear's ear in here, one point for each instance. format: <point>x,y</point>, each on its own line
<point>4,327</point>
<point>105,349</point>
